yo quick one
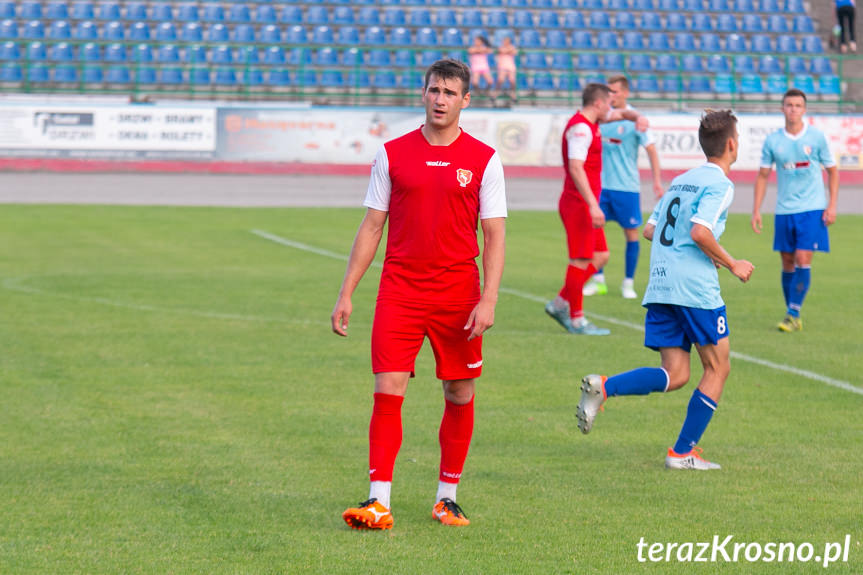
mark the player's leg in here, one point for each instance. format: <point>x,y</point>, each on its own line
<point>596,284</point>
<point>785,241</point>
<point>800,280</point>
<point>633,246</point>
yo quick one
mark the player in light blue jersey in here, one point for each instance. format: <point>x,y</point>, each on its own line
<point>620,199</point>
<point>803,211</point>
<point>683,303</point>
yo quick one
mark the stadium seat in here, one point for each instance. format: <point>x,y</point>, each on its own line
<point>400,37</point>
<point>671,84</point>
<point>599,21</point>
<point>59,30</point>
<point>786,44</point>
<point>118,75</point>
<point>735,43</point>
<point>719,6</point>
<point>404,59</point>
<point>607,40</point>
<point>709,42</point>
<point>573,20</point>
<point>751,85</point>
<point>691,63</point>
<point>523,19</point>
<point>612,62</point>
<point>30,10</point>
<point>582,40</point>
<point>7,10</point>
<point>561,61</point>
<point>218,33</point>
<point>777,24</point>
<point>394,17</point>
<point>145,75</point>
<point>752,23</point>
<point>797,65</point>
<point>139,32</point>
<point>723,84</point>
<point>794,6</point>
<point>618,5</point>
<point>726,23</point>
<point>452,37</point>
<point>658,42</point>
<point>812,45</point>
<point>548,19</point>
<point>666,63</point>
<point>11,73</point>
<point>650,21</point>
<point>278,78</point>
<point>358,79</point>
<point>642,5</point>
<point>297,35</point>
<point>10,51</point>
<point>693,5</point>
<point>65,74</point>
<point>322,35</point>
<point>426,37</point>
<point>803,24</point>
<point>59,11</point>
<point>190,32</point>
<point>213,13</point>
<point>317,15</point>
<point>91,52</point>
<point>821,66</point>
<point>592,5</point>
<point>114,31</point>
<point>646,84</point>
<point>588,61</point>
<point>640,63</point>
<point>225,77</point>
<point>777,84</point>
<point>718,63</point>
<point>244,33</point>
<point>420,18</point>
<point>188,13</point>
<point>332,79</point>
<point>529,39</point>
<point>624,21</point>
<point>497,19</point>
<point>240,13</point>
<point>222,54</point>
<point>162,12</point>
<point>170,76</point>
<point>196,54</point>
<point>380,58</point>
<point>142,53</point>
<point>274,56</point>
<point>743,64</point>
<point>290,14</point>
<point>33,30</point>
<point>115,53</point>
<point>92,75</point>
<point>761,43</point>
<point>348,35</point>
<point>384,80</point>
<point>767,64</point>
<point>744,6</point>
<point>38,74</point>
<point>472,19</point>
<point>669,5</point>
<point>252,77</point>
<point>556,40</point>
<point>374,35</point>
<point>829,85</point>
<point>86,31</point>
<point>135,12</point>
<point>543,4</point>
<point>271,34</point>
<point>535,61</point>
<point>769,5</point>
<point>428,57</point>
<point>300,57</point>
<point>265,14</point>
<point>675,22</point>
<point>684,42</point>
<point>633,41</point>
<point>199,77</point>
<point>83,10</point>
<point>803,82</point>
<point>36,52</point>
<point>543,81</point>
<point>702,22</point>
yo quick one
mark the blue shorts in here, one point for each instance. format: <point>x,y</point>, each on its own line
<point>803,231</point>
<point>669,325</point>
<point>621,207</point>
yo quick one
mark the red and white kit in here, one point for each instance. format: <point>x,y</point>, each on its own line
<point>430,281</point>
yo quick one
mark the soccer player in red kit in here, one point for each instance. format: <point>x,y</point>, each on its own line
<point>579,204</point>
<point>433,184</point>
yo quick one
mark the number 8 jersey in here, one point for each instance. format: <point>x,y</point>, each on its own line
<point>680,273</point>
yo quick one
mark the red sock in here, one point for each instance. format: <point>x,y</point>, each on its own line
<point>456,429</point>
<point>575,279</point>
<point>385,436</point>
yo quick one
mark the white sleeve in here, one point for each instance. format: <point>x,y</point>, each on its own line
<point>492,190</point>
<point>380,186</point>
<point>578,140</point>
<point>647,138</point>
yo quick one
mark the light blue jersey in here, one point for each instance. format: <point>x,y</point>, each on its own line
<point>680,273</point>
<point>620,142</point>
<point>798,162</point>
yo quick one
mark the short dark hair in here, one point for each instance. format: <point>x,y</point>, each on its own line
<point>447,69</point>
<point>593,92</point>
<point>717,126</point>
<point>618,79</point>
<point>794,93</point>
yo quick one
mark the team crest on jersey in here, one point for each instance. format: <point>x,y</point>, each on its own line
<point>464,177</point>
<point>807,150</point>
<point>620,129</point>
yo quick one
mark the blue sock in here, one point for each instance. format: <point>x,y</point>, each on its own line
<point>631,258</point>
<point>799,287</point>
<point>639,381</point>
<point>786,284</point>
<point>698,415</point>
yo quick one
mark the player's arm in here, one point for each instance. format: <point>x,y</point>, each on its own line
<point>648,231</point>
<point>482,316</point>
<point>616,115</point>
<point>703,238</point>
<point>579,177</point>
<point>653,156</point>
<point>760,192</point>
<point>362,253</point>
<point>833,188</point>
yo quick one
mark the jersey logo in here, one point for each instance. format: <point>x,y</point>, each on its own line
<point>620,129</point>
<point>799,165</point>
<point>441,164</point>
<point>807,150</point>
<point>464,177</point>
<point>616,141</point>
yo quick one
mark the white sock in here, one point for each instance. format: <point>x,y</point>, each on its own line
<point>628,282</point>
<point>579,321</point>
<point>445,490</point>
<point>560,303</point>
<point>380,490</point>
<point>598,278</point>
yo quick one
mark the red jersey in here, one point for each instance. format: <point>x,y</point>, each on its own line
<point>434,196</point>
<point>582,141</point>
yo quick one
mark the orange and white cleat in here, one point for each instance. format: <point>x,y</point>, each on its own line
<point>691,460</point>
<point>369,515</point>
<point>448,512</point>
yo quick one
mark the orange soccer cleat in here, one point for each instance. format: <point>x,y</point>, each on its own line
<point>448,512</point>
<point>369,515</point>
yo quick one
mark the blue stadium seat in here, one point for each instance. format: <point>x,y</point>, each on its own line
<point>618,5</point>
<point>297,35</point>
<point>726,23</point>
<point>249,55</point>
<point>62,52</point>
<point>829,85</point>
<point>384,80</point>
<point>592,4</point>
<point>803,82</point>
<point>529,39</point>
<point>59,30</point>
<point>709,42</point>
<point>693,5</point>
<point>142,53</point>
<point>38,74</point>
<point>767,64</point>
<point>7,10</point>
<point>573,20</point>
<point>139,32</point>
<point>821,66</point>
<point>645,84</point>
<point>217,33</point>
<point>135,12</point>
<point>556,40</point>
<point>587,61</point>
<point>265,14</point>
<point>643,5</point>
<point>718,63</point>
<point>188,13</point>
<point>761,43</point>
<point>543,4</point>
<point>744,6</point>
<point>723,84</point>
<point>777,24</point>
<point>543,81</point>
<point>190,32</point>
<point>669,5</point>
<point>272,34</point>
<point>702,22</point>
<point>83,10</point>
<point>86,31</point>
<point>403,59</point>
<point>445,18</point>
<point>413,79</point>
<point>743,64</point>
<point>769,5</point>
<point>300,57</point>
<point>252,77</point>
<point>675,22</point>
<point>472,19</point>
<point>222,54</point>
<point>751,85</point>
<point>244,33</point>
<point>214,13</point>
<point>10,51</point>
<point>274,56</point>
<point>36,52</point>
<point>582,40</point>
<point>803,24</point>
<point>167,53</point>
<point>797,65</point>
<point>162,12</point>
<point>599,20</point>
<point>523,19</point>
<point>452,37</point>
<point>607,40</point>
<point>225,77</point>
<point>429,57</point>
<point>91,52</point>
<point>11,73</point>
<point>624,21</point>
<point>719,6</point>
<point>118,75</point>
<point>323,35</point>
<point>426,37</point>
<point>394,17</point>
<point>199,77</point>
<point>752,23</point>
<point>166,32</point>
<point>241,13</point>
<point>640,63</point>
<point>92,75</point>
<point>317,15</point>
<point>291,14</point>
<point>115,53</point>
<point>420,18</point>
<point>400,37</point>
<point>535,61</point>
<point>777,84</point>
<point>170,76</point>
<point>332,79</point>
<point>651,21</point>
<point>30,10</point>
<point>684,42</point>
<point>196,54</point>
<point>633,41</point>
<point>735,43</point>
<point>691,63</point>
<point>666,63</point>
<point>380,58</point>
<point>794,6</point>
<point>612,61</point>
<point>549,19</point>
<point>358,79</point>
<point>278,78</point>
<point>114,31</point>
<point>561,61</point>
<point>671,84</point>
<point>497,19</point>
<point>786,44</point>
<point>65,74</point>
<point>374,35</point>
<point>33,30</point>
<point>658,42</point>
<point>812,45</point>
<point>348,35</point>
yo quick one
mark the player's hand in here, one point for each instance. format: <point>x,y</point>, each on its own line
<point>756,222</point>
<point>481,318</point>
<point>658,190</point>
<point>829,216</point>
<point>742,269</point>
<point>341,316</point>
<point>641,124</point>
<point>597,216</point>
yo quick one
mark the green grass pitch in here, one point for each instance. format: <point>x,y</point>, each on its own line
<point>173,402</point>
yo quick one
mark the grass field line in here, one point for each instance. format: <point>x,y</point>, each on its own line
<point>838,383</point>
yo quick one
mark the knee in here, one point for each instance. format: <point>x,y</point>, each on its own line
<point>458,391</point>
<point>678,376</point>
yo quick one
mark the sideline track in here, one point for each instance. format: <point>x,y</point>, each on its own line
<point>838,383</point>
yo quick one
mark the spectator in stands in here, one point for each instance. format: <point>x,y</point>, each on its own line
<point>845,18</point>
<point>506,53</point>
<point>478,61</point>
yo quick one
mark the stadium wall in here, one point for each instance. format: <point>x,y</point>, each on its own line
<point>211,138</point>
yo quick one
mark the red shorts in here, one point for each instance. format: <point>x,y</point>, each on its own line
<point>400,327</point>
<point>582,239</point>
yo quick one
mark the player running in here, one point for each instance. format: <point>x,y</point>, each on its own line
<point>802,210</point>
<point>683,302</point>
<point>579,205</point>
<point>433,184</point>
<point>620,200</point>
